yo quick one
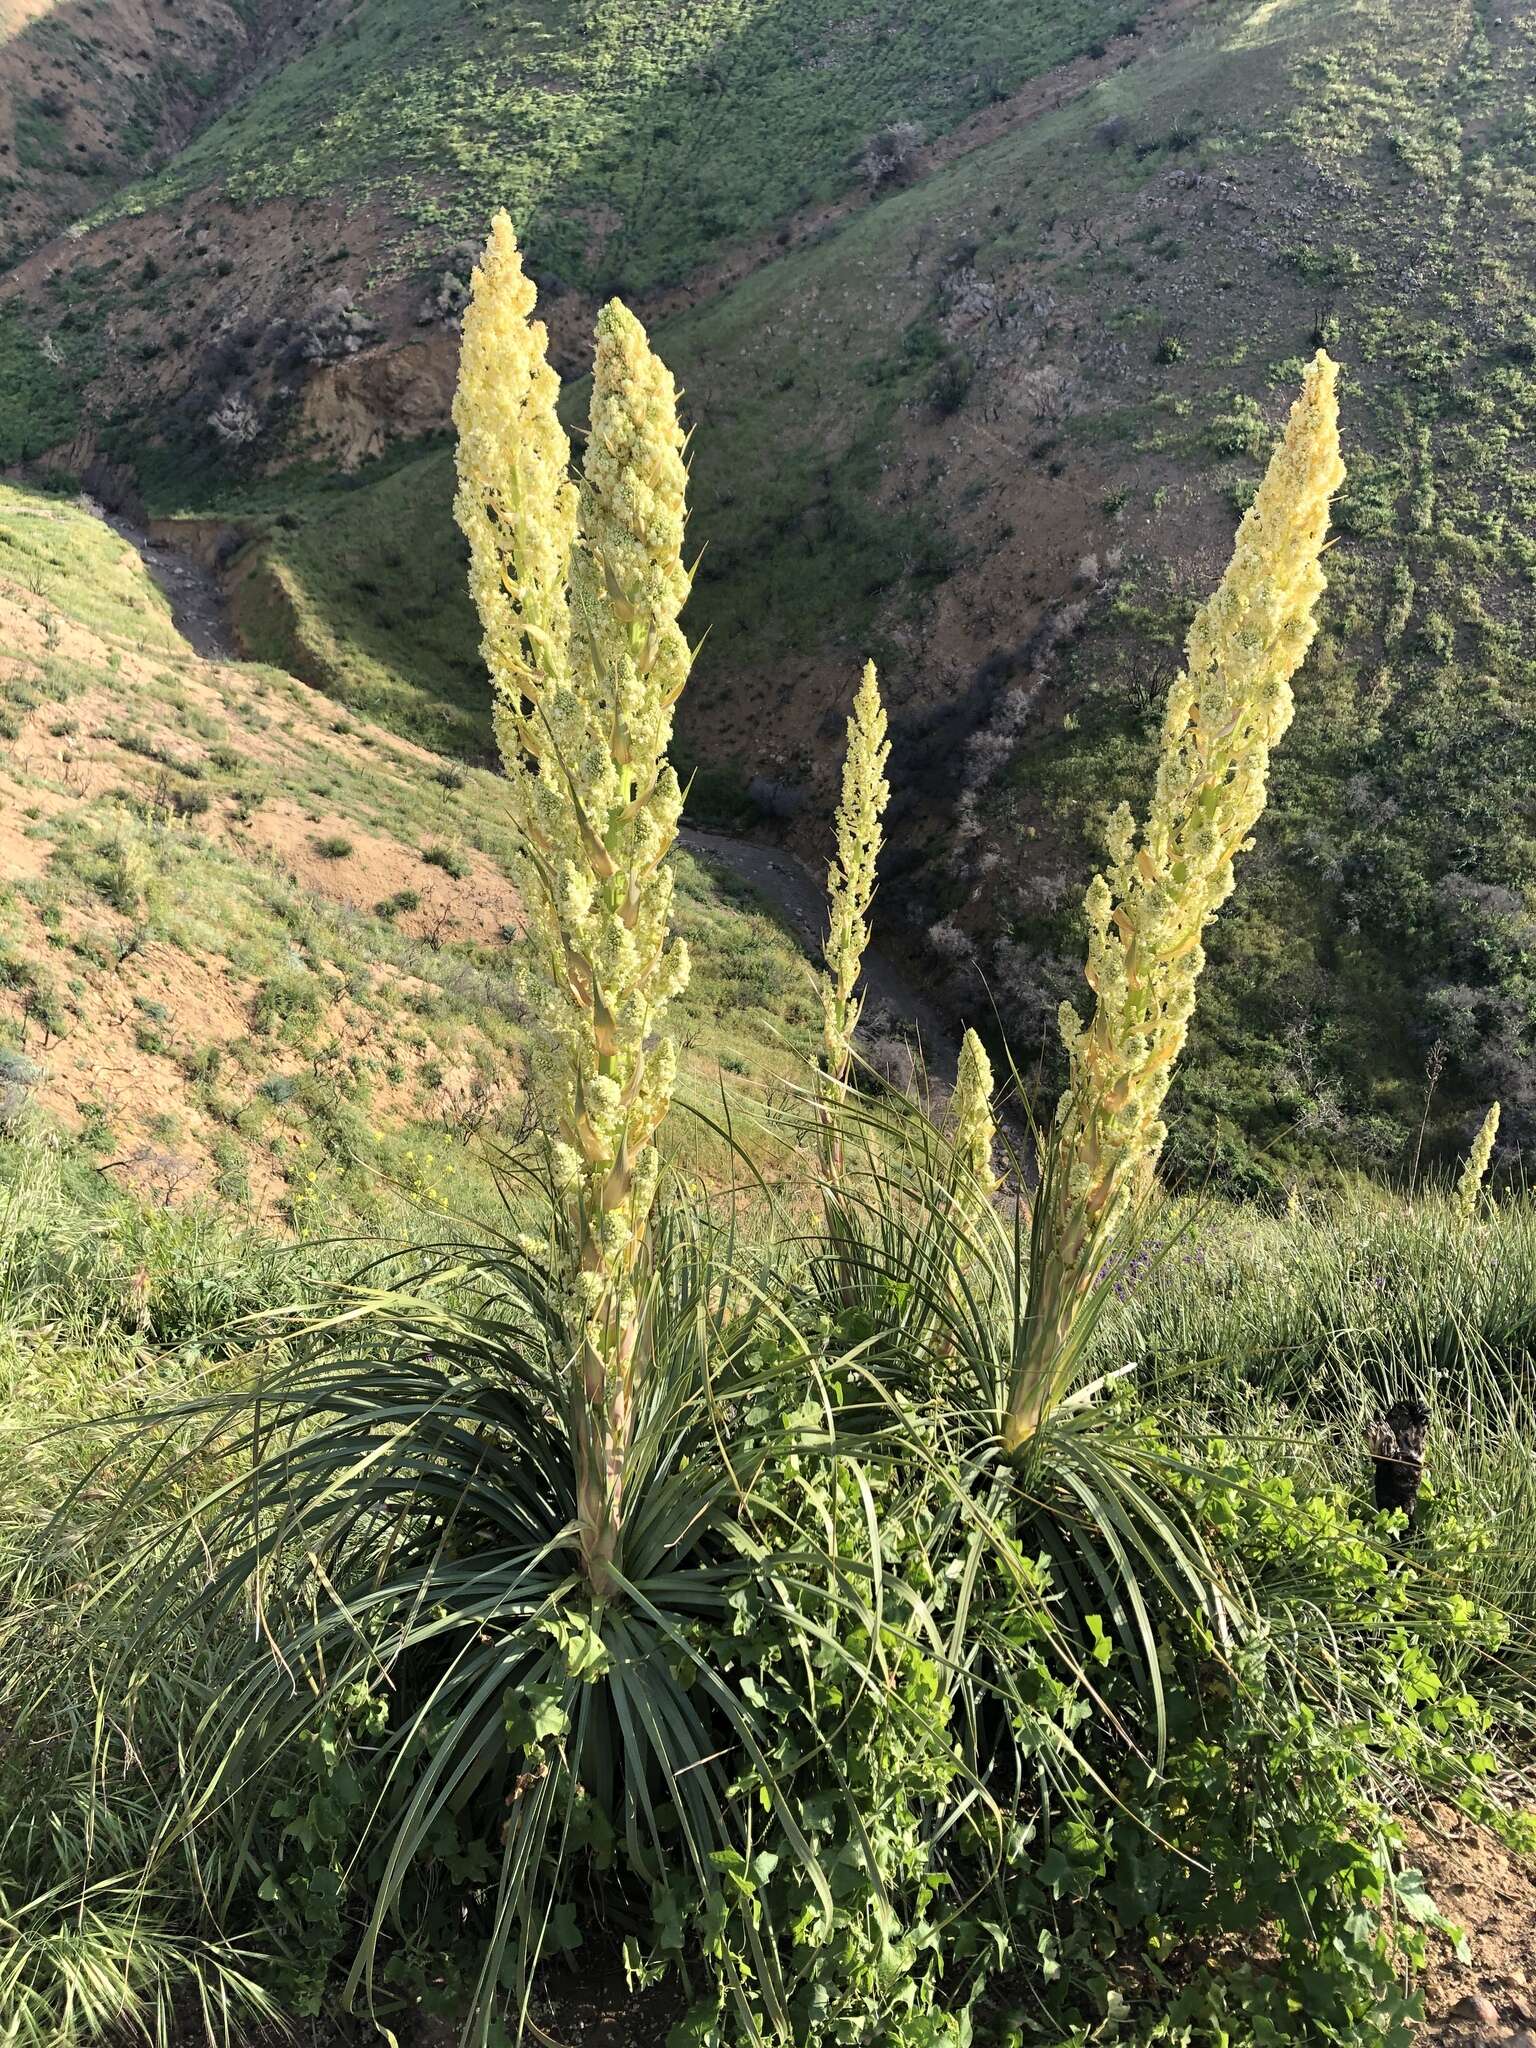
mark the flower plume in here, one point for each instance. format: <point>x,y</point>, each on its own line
<point>1148,913</point>
<point>851,874</point>
<point>1475,1172</point>
<point>972,1126</point>
<point>579,591</point>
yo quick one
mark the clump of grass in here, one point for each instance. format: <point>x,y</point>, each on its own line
<point>402,901</point>
<point>448,858</point>
<point>290,1005</point>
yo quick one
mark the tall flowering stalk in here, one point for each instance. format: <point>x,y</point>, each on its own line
<point>973,1129</point>
<point>851,886</point>
<point>579,590</point>
<point>1146,917</point>
<point>1475,1172</point>
<point>973,1183</point>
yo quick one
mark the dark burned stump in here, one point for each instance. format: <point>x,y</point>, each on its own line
<point>1396,1442</point>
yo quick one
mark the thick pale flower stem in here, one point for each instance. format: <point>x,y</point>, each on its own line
<point>604,1425</point>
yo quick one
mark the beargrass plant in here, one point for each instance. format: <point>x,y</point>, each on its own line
<point>1014,1330</point>
<point>400,1518</point>
<point>494,1532</point>
<point>1242,1667</point>
<point>579,587</point>
<point>836,1626</point>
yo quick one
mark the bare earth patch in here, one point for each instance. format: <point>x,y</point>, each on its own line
<point>1491,1893</point>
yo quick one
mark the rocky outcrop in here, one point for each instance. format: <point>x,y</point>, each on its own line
<point>351,411</point>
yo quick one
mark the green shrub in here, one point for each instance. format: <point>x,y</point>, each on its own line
<point>403,900</point>
<point>289,1005</point>
<point>448,858</point>
<point>1241,430</point>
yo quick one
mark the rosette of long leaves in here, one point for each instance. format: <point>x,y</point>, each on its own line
<point>384,1543</point>
<point>929,1291</point>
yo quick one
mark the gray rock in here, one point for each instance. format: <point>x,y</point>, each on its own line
<point>1476,2010</point>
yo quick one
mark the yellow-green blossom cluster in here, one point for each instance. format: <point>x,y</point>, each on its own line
<point>1148,914</point>
<point>851,874</point>
<point>1475,1172</point>
<point>579,591</point>
<point>973,1130</point>
<point>516,502</point>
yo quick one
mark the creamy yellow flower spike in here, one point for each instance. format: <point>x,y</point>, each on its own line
<point>851,874</point>
<point>1147,915</point>
<point>579,592</point>
<point>1475,1172</point>
<point>972,1127</point>
<point>516,502</point>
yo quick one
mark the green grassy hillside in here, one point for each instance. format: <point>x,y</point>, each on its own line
<point>997,430</point>
<point>329,199</point>
<point>629,141</point>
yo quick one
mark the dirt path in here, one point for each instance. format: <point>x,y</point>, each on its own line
<point>1491,2001</point>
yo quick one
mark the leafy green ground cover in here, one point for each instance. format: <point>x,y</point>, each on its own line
<point>1370,1670</point>
<point>41,405</point>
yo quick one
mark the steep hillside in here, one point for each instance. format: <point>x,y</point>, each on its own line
<point>215,311</point>
<point>250,944</point>
<point>997,428</point>
<point>93,91</point>
<point>990,414</point>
